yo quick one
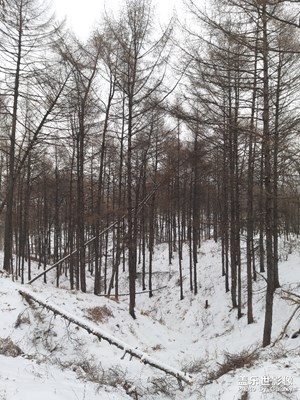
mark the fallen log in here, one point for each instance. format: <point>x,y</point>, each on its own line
<point>128,294</point>
<point>55,265</point>
<point>71,254</point>
<point>98,332</point>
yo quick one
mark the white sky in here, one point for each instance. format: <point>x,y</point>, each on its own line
<point>83,14</point>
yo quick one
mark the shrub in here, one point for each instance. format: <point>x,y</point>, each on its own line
<point>234,361</point>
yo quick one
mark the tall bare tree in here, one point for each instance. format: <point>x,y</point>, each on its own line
<point>139,76</point>
<point>26,33</point>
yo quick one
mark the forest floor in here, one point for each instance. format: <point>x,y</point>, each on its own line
<point>44,357</point>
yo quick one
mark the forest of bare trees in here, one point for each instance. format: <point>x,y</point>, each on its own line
<point>143,136</point>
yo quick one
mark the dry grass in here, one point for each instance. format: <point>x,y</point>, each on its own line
<point>99,314</point>
<point>164,386</point>
<point>194,366</point>
<point>234,361</point>
<point>244,396</point>
<point>114,377</point>
<point>145,313</point>
<point>157,347</point>
<point>9,349</point>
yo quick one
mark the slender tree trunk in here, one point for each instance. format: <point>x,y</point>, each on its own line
<point>275,232</point>
<point>8,232</point>
<point>269,212</point>
<point>80,208</point>
<point>196,212</point>
<point>130,216</point>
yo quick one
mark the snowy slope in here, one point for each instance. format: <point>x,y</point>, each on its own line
<point>62,361</point>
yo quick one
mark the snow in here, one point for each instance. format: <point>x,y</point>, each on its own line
<point>62,361</point>
<point>21,379</point>
<point>92,328</point>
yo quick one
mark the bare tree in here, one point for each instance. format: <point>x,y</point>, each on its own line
<point>139,76</point>
<point>26,33</point>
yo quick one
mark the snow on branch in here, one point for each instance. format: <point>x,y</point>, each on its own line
<point>98,332</point>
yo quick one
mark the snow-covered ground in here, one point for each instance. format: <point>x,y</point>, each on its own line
<point>61,361</point>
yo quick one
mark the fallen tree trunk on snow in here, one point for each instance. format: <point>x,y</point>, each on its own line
<point>98,332</point>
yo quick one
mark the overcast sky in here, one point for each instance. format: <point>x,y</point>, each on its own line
<point>82,14</point>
